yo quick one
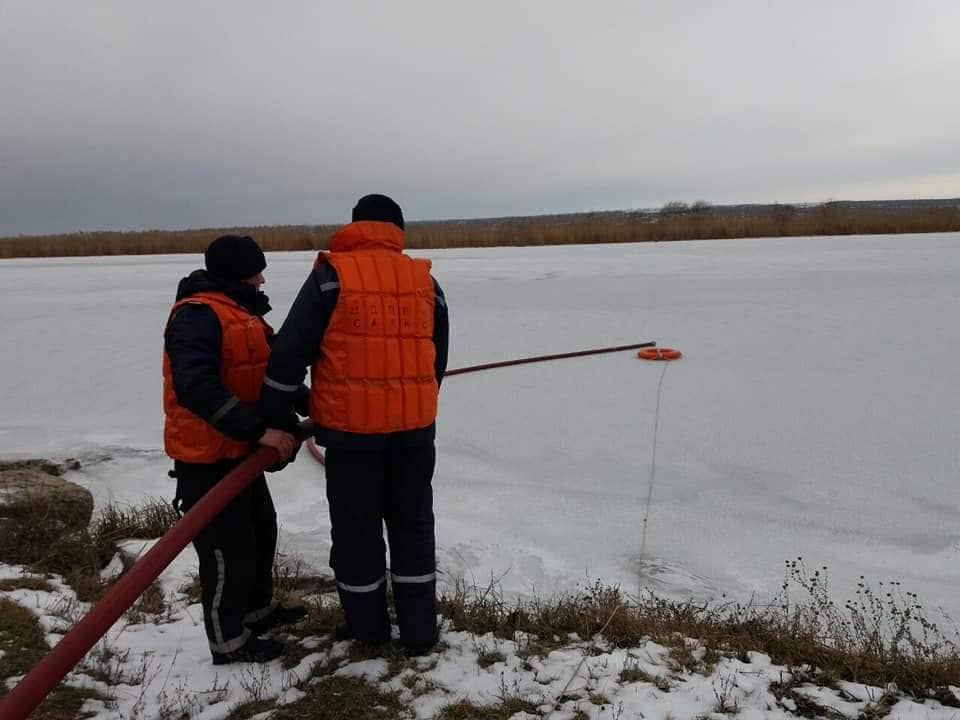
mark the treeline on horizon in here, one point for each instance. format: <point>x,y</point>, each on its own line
<point>674,221</point>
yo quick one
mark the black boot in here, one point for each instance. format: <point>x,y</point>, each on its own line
<point>412,651</point>
<point>256,649</point>
<point>342,632</point>
<point>280,615</point>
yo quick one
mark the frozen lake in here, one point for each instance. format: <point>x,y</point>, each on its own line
<point>814,414</point>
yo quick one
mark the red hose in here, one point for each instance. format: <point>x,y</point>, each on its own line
<point>31,690</point>
<point>318,454</point>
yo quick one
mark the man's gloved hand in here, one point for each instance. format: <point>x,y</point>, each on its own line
<point>283,442</point>
<point>286,444</point>
<point>278,466</point>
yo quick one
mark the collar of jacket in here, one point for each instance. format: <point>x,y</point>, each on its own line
<point>245,295</point>
<point>367,235</point>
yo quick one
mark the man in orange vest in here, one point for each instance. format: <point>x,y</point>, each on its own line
<point>372,323</point>
<point>216,347</point>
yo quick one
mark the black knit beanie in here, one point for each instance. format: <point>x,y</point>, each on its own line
<point>234,257</point>
<point>378,207</point>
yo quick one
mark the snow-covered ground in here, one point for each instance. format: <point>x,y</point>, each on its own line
<point>814,412</point>
<point>161,671</point>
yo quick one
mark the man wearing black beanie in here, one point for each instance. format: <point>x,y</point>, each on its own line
<point>378,208</point>
<point>372,322</point>
<point>216,347</point>
<point>235,257</point>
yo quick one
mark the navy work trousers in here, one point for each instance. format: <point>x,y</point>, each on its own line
<point>367,489</point>
<point>236,553</point>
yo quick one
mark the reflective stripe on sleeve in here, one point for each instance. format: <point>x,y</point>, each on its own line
<point>224,409</point>
<point>279,386</point>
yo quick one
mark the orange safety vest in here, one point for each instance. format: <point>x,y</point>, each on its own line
<point>190,438</point>
<point>375,369</point>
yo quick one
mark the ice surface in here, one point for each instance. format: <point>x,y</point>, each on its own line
<point>814,412</point>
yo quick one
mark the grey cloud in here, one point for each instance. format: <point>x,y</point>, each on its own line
<point>142,114</point>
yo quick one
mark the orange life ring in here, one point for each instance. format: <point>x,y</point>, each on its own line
<point>656,353</point>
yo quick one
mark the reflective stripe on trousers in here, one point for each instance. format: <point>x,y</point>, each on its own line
<point>255,615</point>
<point>219,645</point>
<point>362,588</point>
<point>429,577</point>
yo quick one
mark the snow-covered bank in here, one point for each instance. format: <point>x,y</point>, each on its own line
<point>157,667</point>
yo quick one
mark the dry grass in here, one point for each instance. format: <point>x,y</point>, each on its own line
<point>150,606</point>
<point>153,242</point>
<point>323,616</point>
<point>337,698</point>
<point>44,466</point>
<point>292,579</point>
<point>878,638</point>
<point>675,221</point>
<point>191,588</point>
<point>30,492</point>
<point>21,639</point>
<point>22,646</point>
<point>679,221</point>
<point>633,673</point>
<point>466,710</point>
<point>65,702</point>
<point>146,521</point>
<point>27,582</point>
<point>32,537</point>
<point>249,709</point>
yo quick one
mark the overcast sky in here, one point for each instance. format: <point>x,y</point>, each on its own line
<point>119,114</point>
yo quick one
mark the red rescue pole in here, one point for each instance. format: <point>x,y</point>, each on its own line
<point>544,358</point>
<point>318,455</point>
<point>33,688</point>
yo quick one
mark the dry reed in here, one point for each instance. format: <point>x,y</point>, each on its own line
<point>675,221</point>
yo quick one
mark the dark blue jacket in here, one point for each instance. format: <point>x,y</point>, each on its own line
<point>193,341</point>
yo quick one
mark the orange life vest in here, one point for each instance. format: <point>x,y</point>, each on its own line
<point>375,369</point>
<point>190,438</point>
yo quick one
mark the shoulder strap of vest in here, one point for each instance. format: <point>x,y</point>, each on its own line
<point>212,298</point>
<point>324,257</point>
<point>209,299</point>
